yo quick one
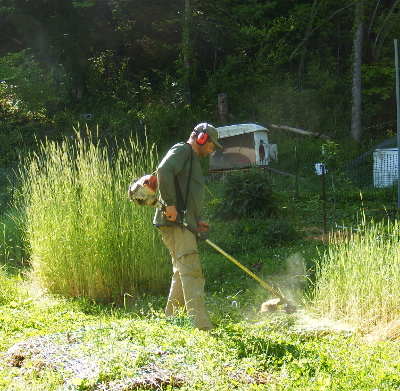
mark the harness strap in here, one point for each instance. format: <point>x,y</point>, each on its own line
<point>181,202</point>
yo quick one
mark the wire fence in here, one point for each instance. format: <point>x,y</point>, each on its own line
<point>374,172</point>
<point>298,174</point>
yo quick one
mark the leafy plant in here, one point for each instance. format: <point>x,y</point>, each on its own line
<point>247,193</point>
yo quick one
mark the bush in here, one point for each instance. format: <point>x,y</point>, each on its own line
<point>247,193</point>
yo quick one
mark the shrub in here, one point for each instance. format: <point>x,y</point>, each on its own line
<point>247,193</point>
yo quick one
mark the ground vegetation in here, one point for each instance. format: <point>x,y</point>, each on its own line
<point>61,327</point>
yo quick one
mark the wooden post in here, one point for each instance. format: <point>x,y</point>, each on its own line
<point>324,197</point>
<point>222,108</point>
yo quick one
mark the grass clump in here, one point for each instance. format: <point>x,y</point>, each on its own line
<point>84,237</point>
<point>12,246</point>
<point>358,276</point>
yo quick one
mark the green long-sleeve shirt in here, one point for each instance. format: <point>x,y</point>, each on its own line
<point>177,163</point>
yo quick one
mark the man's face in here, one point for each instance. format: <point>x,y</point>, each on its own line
<point>206,149</point>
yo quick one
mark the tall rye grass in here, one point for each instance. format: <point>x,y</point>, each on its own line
<point>85,237</point>
<point>359,276</point>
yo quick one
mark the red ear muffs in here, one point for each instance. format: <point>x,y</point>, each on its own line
<point>202,138</point>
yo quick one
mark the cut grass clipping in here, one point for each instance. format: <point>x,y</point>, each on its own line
<point>85,237</point>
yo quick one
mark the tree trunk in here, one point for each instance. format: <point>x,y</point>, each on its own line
<point>303,53</point>
<point>186,54</point>
<point>357,62</point>
<point>222,108</point>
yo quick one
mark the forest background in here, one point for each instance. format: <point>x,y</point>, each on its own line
<point>158,66</point>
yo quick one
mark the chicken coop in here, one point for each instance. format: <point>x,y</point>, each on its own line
<point>244,145</point>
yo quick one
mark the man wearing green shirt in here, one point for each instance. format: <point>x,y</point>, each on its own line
<point>181,187</point>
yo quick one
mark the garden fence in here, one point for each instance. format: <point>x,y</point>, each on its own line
<point>299,173</point>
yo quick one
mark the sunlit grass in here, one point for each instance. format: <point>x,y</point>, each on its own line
<point>73,344</point>
<point>12,249</point>
<point>359,276</point>
<point>85,237</point>
<point>247,350</point>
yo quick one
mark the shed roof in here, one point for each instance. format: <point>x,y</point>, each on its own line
<point>234,130</point>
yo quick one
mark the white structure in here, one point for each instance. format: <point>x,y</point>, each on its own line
<point>385,167</point>
<point>318,168</point>
<point>244,145</point>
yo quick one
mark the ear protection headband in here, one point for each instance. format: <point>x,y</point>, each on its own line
<point>202,136</point>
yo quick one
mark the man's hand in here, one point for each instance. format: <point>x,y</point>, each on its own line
<point>171,212</point>
<point>202,226</point>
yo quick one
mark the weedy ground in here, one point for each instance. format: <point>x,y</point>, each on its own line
<point>49,342</point>
<point>53,343</point>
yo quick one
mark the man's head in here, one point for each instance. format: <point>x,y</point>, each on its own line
<point>204,139</point>
<point>207,133</point>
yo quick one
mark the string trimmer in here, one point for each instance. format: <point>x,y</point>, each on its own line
<point>142,192</point>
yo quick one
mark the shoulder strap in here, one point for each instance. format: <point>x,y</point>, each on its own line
<point>183,202</point>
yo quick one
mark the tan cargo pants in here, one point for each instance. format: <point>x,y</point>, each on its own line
<point>187,285</point>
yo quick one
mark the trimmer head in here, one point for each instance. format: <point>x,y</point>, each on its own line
<point>272,305</point>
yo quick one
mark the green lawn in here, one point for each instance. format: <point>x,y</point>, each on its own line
<point>51,343</point>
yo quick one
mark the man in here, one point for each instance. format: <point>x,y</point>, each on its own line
<point>181,187</point>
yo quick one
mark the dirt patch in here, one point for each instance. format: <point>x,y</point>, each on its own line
<point>67,354</point>
<point>61,355</point>
<point>41,352</point>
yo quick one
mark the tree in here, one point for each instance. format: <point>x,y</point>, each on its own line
<point>186,52</point>
<point>118,56</point>
<point>357,64</point>
<point>25,85</point>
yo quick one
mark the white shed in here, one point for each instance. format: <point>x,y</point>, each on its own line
<point>244,145</point>
<point>385,167</point>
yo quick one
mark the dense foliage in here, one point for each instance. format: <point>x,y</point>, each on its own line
<point>161,65</point>
<point>247,193</point>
